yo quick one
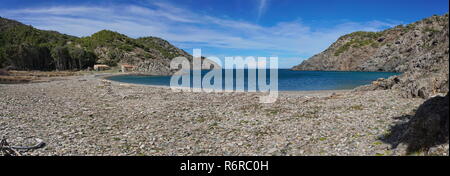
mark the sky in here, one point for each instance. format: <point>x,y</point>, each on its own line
<point>292,30</point>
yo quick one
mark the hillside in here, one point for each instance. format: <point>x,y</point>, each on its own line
<point>23,47</point>
<point>420,50</point>
<point>26,48</point>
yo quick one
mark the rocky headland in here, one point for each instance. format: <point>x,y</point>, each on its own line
<point>419,50</point>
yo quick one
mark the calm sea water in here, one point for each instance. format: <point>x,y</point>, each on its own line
<point>288,80</point>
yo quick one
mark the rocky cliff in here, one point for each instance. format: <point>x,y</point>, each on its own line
<point>23,47</point>
<point>420,50</point>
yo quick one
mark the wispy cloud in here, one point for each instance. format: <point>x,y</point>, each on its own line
<point>262,8</point>
<point>188,29</point>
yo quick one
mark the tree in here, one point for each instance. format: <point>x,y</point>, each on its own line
<point>62,58</point>
<point>2,58</point>
<point>82,58</point>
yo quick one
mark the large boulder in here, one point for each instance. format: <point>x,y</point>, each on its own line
<point>429,126</point>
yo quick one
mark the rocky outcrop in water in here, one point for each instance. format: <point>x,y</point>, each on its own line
<point>420,50</point>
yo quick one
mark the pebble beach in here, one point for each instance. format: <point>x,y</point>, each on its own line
<point>88,115</point>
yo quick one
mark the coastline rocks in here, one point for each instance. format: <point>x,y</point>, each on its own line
<point>416,83</point>
<point>430,125</point>
<point>392,50</point>
<point>420,50</point>
<point>156,67</point>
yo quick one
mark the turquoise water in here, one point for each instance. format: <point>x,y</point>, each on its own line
<point>288,80</point>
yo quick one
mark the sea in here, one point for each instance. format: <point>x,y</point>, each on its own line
<point>288,80</point>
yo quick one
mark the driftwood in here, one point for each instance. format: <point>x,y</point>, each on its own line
<point>8,150</point>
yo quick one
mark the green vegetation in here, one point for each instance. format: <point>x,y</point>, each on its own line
<point>355,43</point>
<point>411,26</point>
<point>26,48</point>
<point>359,39</point>
<point>106,38</point>
<point>430,30</point>
<point>363,34</point>
<point>271,112</point>
<point>158,44</point>
<point>356,108</point>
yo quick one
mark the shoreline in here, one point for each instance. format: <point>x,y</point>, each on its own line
<point>347,71</point>
<point>285,92</point>
<point>105,76</point>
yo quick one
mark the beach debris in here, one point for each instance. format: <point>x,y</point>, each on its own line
<point>7,150</point>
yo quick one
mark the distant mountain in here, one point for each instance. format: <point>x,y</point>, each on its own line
<point>420,49</point>
<point>26,48</point>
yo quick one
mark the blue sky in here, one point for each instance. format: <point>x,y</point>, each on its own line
<point>293,30</point>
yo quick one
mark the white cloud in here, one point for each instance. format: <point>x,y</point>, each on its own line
<point>58,10</point>
<point>189,29</point>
